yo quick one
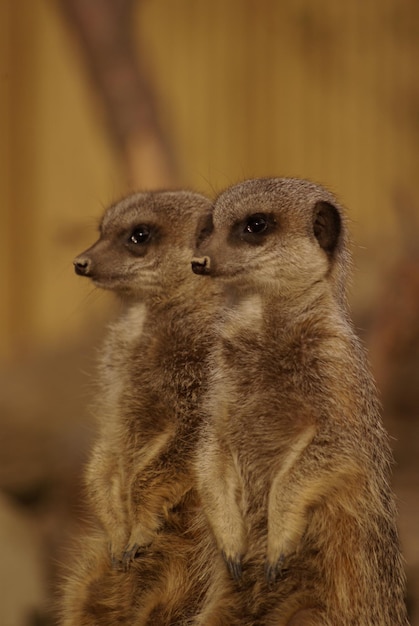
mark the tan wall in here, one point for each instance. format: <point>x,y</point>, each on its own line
<point>324,90</point>
<point>60,170</point>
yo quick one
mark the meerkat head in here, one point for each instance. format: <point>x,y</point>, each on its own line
<point>280,235</point>
<point>145,243</point>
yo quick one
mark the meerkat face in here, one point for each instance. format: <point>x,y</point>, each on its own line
<point>145,243</point>
<point>277,234</point>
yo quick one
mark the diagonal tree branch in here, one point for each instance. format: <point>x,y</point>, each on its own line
<point>103,28</point>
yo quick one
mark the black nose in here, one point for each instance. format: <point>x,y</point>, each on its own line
<point>201,265</point>
<point>82,266</point>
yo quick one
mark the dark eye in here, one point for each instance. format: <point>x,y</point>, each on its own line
<point>256,224</point>
<point>140,234</point>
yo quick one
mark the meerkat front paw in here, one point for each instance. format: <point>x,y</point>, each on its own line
<point>130,554</point>
<point>116,549</point>
<point>273,569</point>
<point>284,540</point>
<point>234,564</point>
<point>139,541</point>
<point>233,552</point>
<point>277,554</point>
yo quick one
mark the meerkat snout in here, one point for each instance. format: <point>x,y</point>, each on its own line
<point>201,265</point>
<point>82,265</point>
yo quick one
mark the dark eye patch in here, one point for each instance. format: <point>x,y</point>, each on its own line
<point>253,229</point>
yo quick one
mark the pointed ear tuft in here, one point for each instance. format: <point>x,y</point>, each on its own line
<point>327,226</point>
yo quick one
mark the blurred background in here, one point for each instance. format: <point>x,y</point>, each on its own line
<point>103,97</point>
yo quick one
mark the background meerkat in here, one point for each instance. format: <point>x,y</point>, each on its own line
<point>166,586</point>
<point>295,469</point>
<point>152,374</point>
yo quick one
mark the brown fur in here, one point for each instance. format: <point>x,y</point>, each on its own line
<point>153,373</point>
<point>295,472</point>
<point>166,586</point>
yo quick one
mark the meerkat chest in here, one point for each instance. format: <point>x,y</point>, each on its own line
<point>181,360</point>
<point>244,315</point>
<point>262,393</point>
<point>124,338</point>
<point>238,354</point>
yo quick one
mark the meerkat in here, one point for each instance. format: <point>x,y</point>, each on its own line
<point>152,374</point>
<point>294,465</point>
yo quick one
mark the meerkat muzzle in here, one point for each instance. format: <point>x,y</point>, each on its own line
<point>201,265</point>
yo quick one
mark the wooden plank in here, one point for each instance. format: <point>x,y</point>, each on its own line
<point>5,192</point>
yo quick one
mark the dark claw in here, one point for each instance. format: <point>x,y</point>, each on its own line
<point>234,566</point>
<point>273,569</point>
<point>116,563</point>
<point>129,556</point>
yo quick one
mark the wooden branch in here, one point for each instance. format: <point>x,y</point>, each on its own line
<point>103,28</point>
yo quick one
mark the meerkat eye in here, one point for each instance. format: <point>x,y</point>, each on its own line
<point>256,224</point>
<point>254,229</point>
<point>140,234</point>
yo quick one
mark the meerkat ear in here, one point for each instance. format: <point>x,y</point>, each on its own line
<point>327,225</point>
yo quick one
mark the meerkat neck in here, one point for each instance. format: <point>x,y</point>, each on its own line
<point>288,305</point>
<point>261,314</point>
<point>155,300</point>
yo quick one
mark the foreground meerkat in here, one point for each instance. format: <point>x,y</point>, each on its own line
<point>294,463</point>
<point>152,375</point>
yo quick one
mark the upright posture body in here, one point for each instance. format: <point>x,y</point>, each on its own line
<point>295,472</point>
<point>139,477</point>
